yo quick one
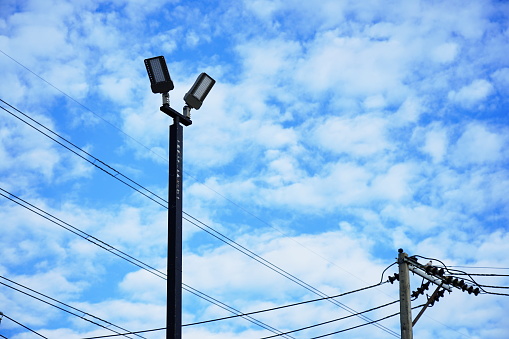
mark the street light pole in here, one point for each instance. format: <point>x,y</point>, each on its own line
<point>174,273</point>
<point>160,82</point>
<point>174,276</point>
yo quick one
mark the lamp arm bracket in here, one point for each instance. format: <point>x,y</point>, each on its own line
<point>186,121</point>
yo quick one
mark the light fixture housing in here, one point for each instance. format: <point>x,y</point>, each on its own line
<point>196,95</point>
<point>160,80</point>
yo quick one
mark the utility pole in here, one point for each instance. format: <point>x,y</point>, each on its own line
<point>438,275</point>
<point>405,304</point>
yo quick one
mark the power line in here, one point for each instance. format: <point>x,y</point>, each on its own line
<point>361,325</point>
<point>125,256</point>
<point>135,332</point>
<point>234,311</point>
<point>484,274</point>
<point>354,327</point>
<point>334,320</point>
<point>269,310</point>
<point>205,227</point>
<point>83,313</point>
<point>24,326</point>
<point>284,306</point>
<point>483,267</point>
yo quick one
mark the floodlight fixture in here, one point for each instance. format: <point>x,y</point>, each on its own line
<point>196,95</point>
<point>160,80</point>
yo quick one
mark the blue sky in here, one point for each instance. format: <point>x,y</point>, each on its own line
<point>337,132</point>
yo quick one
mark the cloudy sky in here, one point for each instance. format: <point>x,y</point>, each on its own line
<point>337,132</point>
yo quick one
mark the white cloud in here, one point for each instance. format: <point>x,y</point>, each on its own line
<point>419,218</point>
<point>479,145</point>
<point>395,184</point>
<point>332,63</point>
<point>360,136</point>
<point>20,145</point>
<point>445,53</point>
<point>263,8</point>
<point>436,143</point>
<point>472,94</point>
<point>409,112</point>
<point>501,79</point>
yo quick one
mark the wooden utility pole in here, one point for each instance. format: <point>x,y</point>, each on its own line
<point>405,304</point>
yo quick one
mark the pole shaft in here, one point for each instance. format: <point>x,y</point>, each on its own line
<point>174,282</point>
<point>405,303</point>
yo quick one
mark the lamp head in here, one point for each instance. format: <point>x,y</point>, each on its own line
<point>196,95</point>
<point>160,80</point>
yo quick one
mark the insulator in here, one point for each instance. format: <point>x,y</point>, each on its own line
<point>455,282</point>
<point>448,280</point>
<point>464,287</point>
<point>441,272</point>
<point>426,285</point>
<point>476,291</point>
<point>470,289</point>
<point>393,278</point>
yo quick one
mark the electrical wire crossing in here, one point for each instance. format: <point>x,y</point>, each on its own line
<point>164,203</point>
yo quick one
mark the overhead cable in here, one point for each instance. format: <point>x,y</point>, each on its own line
<point>334,320</point>
<point>239,313</point>
<point>361,325</point>
<point>482,267</point>
<point>24,326</point>
<point>64,307</point>
<point>484,274</point>
<point>284,306</point>
<point>135,332</point>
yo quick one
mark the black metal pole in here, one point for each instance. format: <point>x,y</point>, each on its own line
<point>174,282</point>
